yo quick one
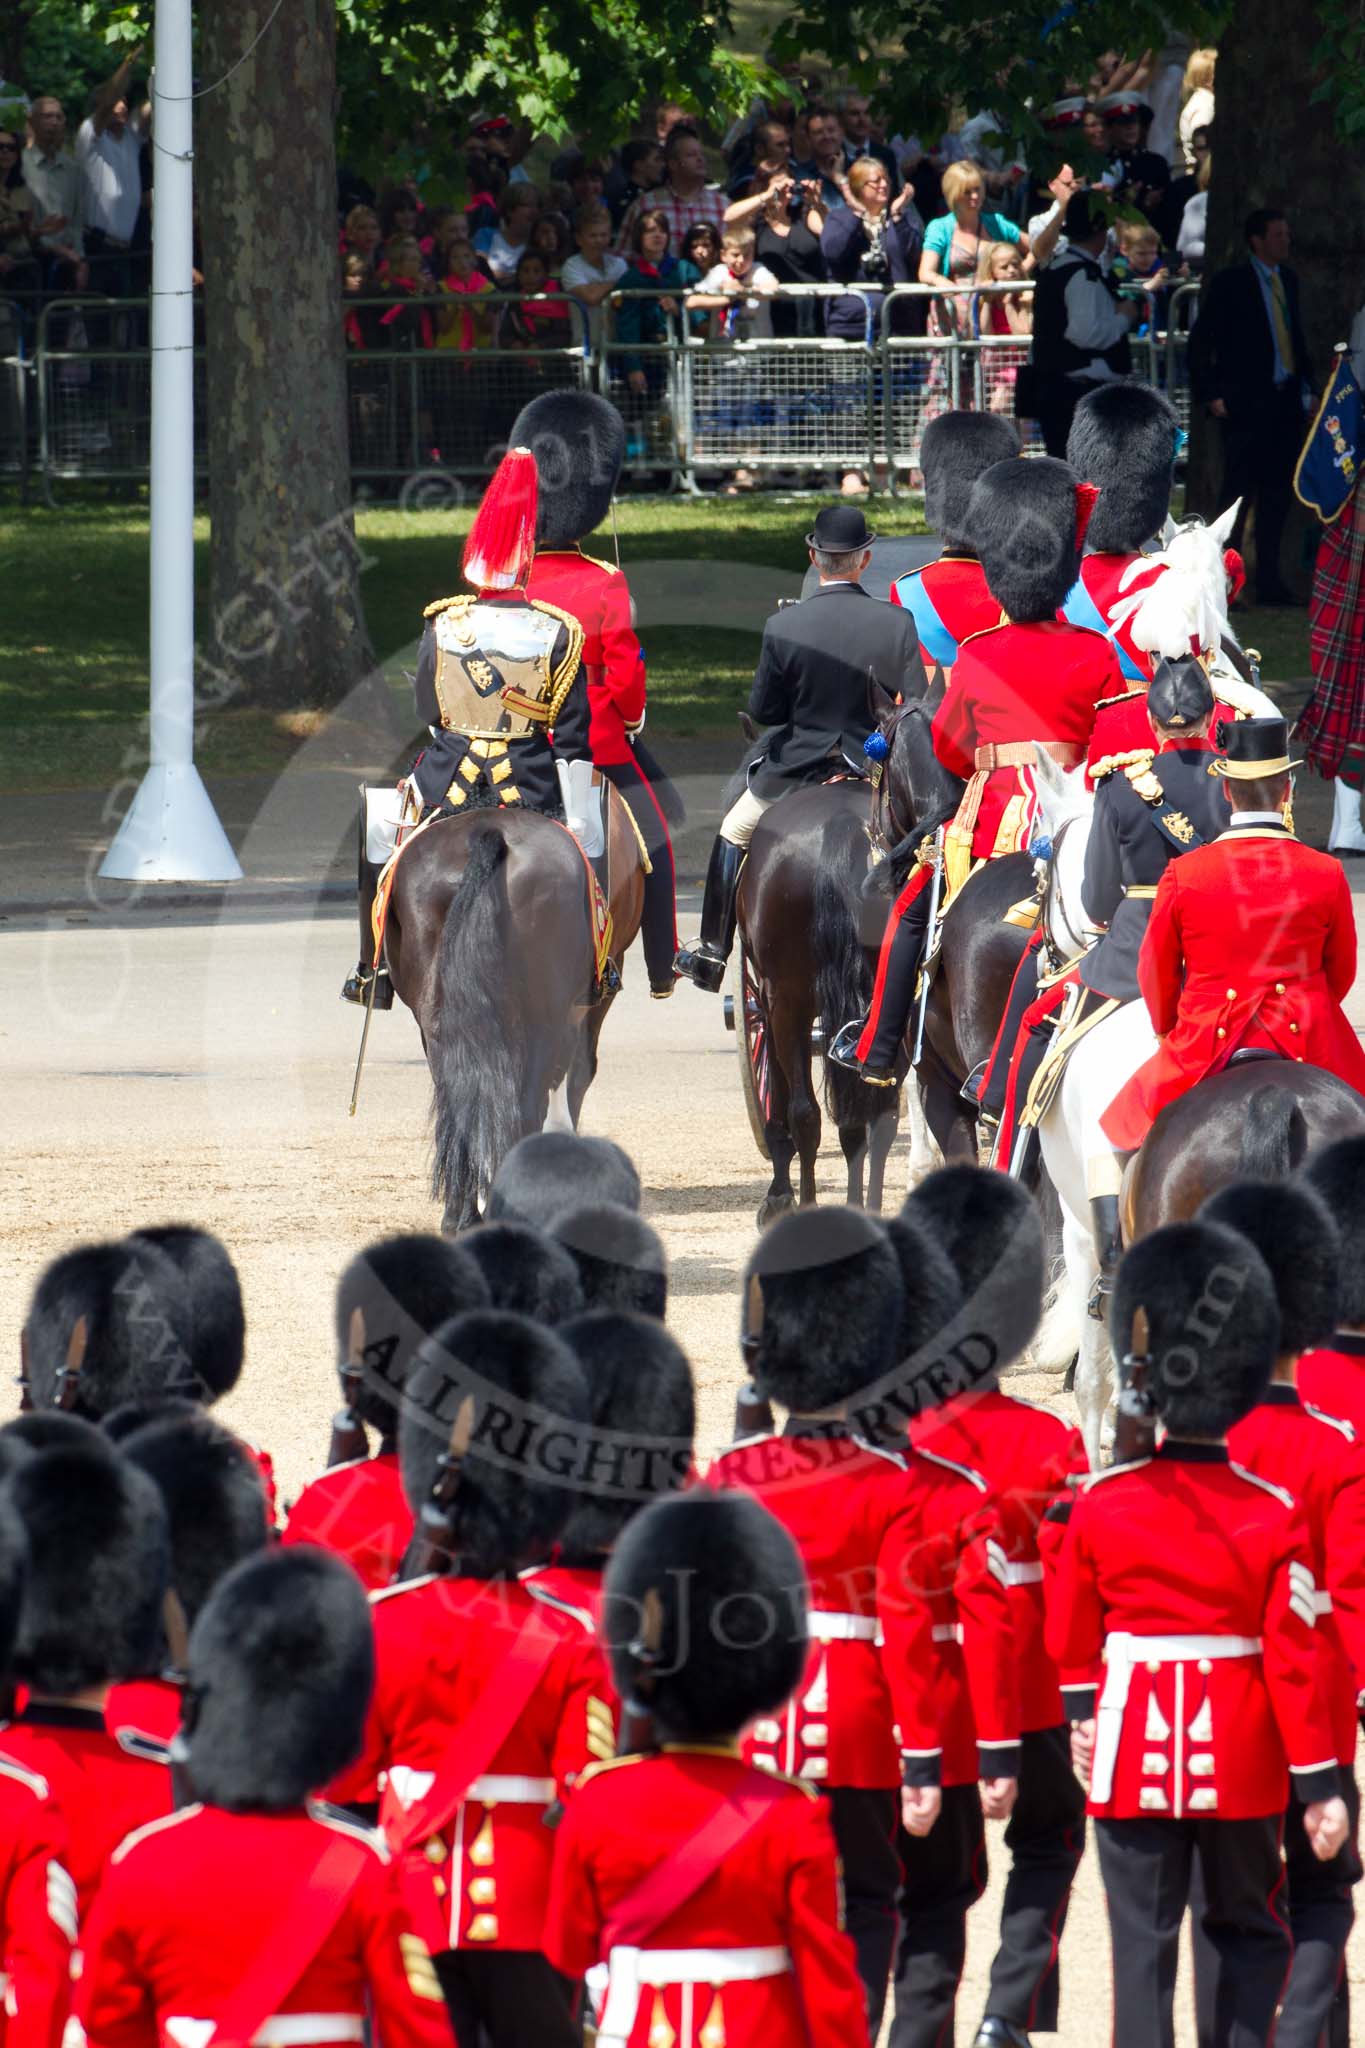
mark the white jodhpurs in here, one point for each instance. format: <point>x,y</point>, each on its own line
<point>739,821</point>
<point>1105,1059</point>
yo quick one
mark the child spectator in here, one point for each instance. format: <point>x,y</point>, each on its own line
<point>550,239</point>
<point>537,320</point>
<point>700,250</point>
<point>1141,262</point>
<point>736,289</point>
<point>503,246</point>
<point>1000,312</point>
<point>593,272</point>
<point>465,327</point>
<point>361,237</point>
<point>400,214</point>
<point>404,276</point>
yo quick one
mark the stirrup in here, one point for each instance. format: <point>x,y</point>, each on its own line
<point>356,988</point>
<point>971,1088</point>
<point>608,983</point>
<point>702,966</point>
<point>843,1047</point>
<point>1101,1287</point>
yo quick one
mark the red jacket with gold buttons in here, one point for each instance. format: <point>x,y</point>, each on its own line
<point>1196,1579</point>
<point>599,598</point>
<point>949,601</point>
<point>1251,942</point>
<point>359,1511</point>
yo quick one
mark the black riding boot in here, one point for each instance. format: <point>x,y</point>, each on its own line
<point>356,988</point>
<point>705,962</point>
<point>1104,1211</point>
<point>1023,990</point>
<point>898,992</point>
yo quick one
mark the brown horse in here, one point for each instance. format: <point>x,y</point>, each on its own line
<point>490,944</point>
<point>1257,1120</point>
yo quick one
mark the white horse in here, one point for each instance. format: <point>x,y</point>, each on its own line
<point>1188,607</point>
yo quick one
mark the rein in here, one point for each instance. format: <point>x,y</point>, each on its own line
<point>885,831</point>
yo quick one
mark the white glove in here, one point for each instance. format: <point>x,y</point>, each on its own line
<point>582,806</point>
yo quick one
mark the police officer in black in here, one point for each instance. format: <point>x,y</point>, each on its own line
<point>813,687</point>
<point>1080,325</point>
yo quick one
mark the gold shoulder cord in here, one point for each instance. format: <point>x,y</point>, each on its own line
<point>463,602</point>
<point>561,678</point>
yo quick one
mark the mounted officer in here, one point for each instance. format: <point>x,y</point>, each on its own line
<point>813,686</point>
<point>500,689</point>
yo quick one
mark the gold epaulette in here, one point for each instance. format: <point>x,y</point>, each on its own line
<point>1103,703</point>
<point>1144,781</point>
<point>449,604</point>
<point>981,631</point>
<point>1107,763</point>
<point>609,1763</point>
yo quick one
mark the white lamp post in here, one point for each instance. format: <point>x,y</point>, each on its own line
<point>171,831</point>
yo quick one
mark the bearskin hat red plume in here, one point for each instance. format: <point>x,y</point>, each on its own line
<point>502,541</point>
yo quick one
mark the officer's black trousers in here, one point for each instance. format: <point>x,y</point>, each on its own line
<point>1315,2005</point>
<point>898,989</point>
<point>659,928</point>
<point>865,1821</point>
<point>943,1874</point>
<point>507,1998</point>
<point>1147,1867</point>
<point>1045,1836</point>
<point>1023,991</point>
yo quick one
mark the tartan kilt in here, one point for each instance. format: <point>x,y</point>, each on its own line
<point>1331,726</point>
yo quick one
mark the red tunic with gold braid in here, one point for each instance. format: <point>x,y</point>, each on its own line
<point>359,1511</point>
<point>770,1911</point>
<point>613,666</point>
<point>949,602</point>
<point>37,1912</point>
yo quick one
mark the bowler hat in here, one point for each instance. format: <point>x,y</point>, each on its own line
<point>1253,748</point>
<point>840,530</point>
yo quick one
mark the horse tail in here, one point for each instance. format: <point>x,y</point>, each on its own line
<point>474,1050</point>
<point>1274,1137</point>
<point>843,989</point>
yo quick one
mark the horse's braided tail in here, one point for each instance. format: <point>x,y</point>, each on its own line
<point>476,1045</point>
<point>1274,1137</point>
<point>843,985</point>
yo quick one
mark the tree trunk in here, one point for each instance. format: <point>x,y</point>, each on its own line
<point>1272,147</point>
<point>288,628</point>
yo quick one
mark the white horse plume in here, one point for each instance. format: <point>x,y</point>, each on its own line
<point>1184,610</point>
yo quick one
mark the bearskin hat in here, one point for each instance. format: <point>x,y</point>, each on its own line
<point>1337,1173</point>
<point>526,1271</point>
<point>212,1494</point>
<point>644,1411</point>
<point>1123,440</point>
<point>51,1429</point>
<point>704,1614</point>
<point>1292,1229</point>
<point>826,1286</point>
<point>108,1323</point>
<point>281,1668</point>
<point>122,1422</point>
<point>99,1560</point>
<point>931,1293</point>
<point>620,1259</point>
<point>218,1318</point>
<point>990,1229</point>
<point>579,442</point>
<point>1022,517</point>
<point>389,1299</point>
<point>516,1393</point>
<point>13,1578</point>
<point>551,1171</point>
<point>1212,1320</point>
<point>957,448</point>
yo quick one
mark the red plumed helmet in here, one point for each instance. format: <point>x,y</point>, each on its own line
<point>502,540</point>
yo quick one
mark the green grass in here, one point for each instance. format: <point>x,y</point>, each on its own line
<point>73,624</point>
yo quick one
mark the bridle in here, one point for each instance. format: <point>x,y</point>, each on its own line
<point>1078,938</point>
<point>884,830</point>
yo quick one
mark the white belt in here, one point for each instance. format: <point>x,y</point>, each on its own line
<point>494,1790</point>
<point>1123,1652</point>
<point>1030,1574</point>
<point>1322,1603</point>
<point>283,2030</point>
<point>947,1631</point>
<point>841,1628</point>
<point>630,1968</point>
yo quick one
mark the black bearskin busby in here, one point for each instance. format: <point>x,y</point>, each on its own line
<point>644,1410</point>
<point>108,1323</point>
<point>1337,1173</point>
<point>212,1494</point>
<point>526,1271</point>
<point>281,1668</point>
<point>704,1614</point>
<point>1123,440</point>
<point>121,1423</point>
<point>931,1296</point>
<point>217,1314</point>
<point>49,1429</point>
<point>1212,1319</point>
<point>550,1172</point>
<point>99,1562</point>
<point>1292,1229</point>
<point>388,1301</point>
<point>1023,520</point>
<point>520,1397</point>
<point>579,443</point>
<point>13,1573</point>
<point>957,448</point>
<point>990,1229</point>
<point>829,1285</point>
<point>620,1258</point>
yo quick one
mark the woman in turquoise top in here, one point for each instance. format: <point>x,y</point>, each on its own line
<point>953,243</point>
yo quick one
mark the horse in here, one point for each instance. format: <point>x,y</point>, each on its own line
<point>489,942</point>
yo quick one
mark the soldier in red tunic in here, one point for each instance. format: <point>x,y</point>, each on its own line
<point>37,1897</point>
<point>215,1516</point>
<point>92,1610</point>
<point>700,1896</point>
<point>827,1309</point>
<point>107,1324</point>
<point>948,598</point>
<point>1195,1581</point>
<point>992,1231</point>
<point>1251,942</point>
<point>388,1301</point>
<point>1029,681</point>
<point>1124,439</point>
<point>252,1915</point>
<point>579,442</point>
<point>488,1702</point>
<point>1332,1374</point>
<point>1316,1459</point>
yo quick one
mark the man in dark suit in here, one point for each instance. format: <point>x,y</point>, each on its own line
<point>1249,365</point>
<point>813,687</point>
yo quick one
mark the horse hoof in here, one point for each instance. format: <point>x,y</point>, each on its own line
<point>773,1206</point>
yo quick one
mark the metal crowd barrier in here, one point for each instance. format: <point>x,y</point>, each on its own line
<point>434,383</point>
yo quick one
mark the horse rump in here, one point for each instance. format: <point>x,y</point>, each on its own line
<point>475,1040</point>
<point>1274,1136</point>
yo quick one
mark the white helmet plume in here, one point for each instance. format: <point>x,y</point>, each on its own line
<point>1184,610</point>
